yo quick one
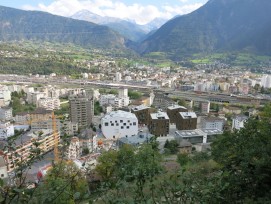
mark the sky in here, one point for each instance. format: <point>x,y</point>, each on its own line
<point>141,11</point>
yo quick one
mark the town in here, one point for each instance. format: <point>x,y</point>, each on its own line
<point>99,112</point>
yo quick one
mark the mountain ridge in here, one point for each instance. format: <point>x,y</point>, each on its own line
<point>18,24</point>
<point>219,25</point>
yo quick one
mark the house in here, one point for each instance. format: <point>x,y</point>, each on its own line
<point>185,147</point>
<point>239,121</point>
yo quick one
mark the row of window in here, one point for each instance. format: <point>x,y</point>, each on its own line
<point>117,124</point>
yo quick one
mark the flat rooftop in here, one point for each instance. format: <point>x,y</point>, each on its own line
<point>139,108</point>
<point>119,114</point>
<point>187,115</point>
<point>197,132</point>
<point>176,107</point>
<point>159,115</point>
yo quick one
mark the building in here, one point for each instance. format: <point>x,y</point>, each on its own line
<point>159,124</point>
<point>6,130</point>
<point>49,103</point>
<point>64,127</point>
<point>142,113</point>
<point>266,81</point>
<point>205,107</point>
<point>197,136</point>
<point>22,118</point>
<point>40,114</point>
<point>118,77</point>
<point>81,111</point>
<point>186,121</point>
<point>5,113</point>
<point>136,140</point>
<point>212,123</point>
<point>119,124</point>
<point>5,96</point>
<point>239,121</point>
<point>3,168</point>
<point>123,93</point>
<point>232,110</point>
<point>34,97</point>
<point>73,151</point>
<point>184,146</point>
<point>25,145</point>
<point>173,112</point>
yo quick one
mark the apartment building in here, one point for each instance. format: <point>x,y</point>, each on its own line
<point>159,124</point>
<point>186,121</point>
<point>49,103</point>
<point>173,112</point>
<point>142,113</point>
<point>212,123</point>
<point>25,145</point>
<point>5,113</point>
<point>40,114</point>
<point>81,111</point>
<point>64,127</point>
<point>73,151</point>
<point>119,124</point>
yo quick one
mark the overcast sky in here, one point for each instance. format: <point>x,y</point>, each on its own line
<point>142,11</point>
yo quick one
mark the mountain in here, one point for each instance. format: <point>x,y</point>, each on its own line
<point>35,25</point>
<point>129,29</point>
<point>86,15</point>
<point>154,24</point>
<point>219,25</point>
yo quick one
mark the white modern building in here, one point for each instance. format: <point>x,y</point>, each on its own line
<point>5,113</point>
<point>208,123</point>
<point>6,130</point>
<point>119,124</point>
<point>238,122</point>
<point>49,103</point>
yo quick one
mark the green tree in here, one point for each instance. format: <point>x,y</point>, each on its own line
<point>171,146</point>
<point>245,160</point>
<point>64,183</point>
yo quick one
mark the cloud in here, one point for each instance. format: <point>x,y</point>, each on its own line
<point>137,12</point>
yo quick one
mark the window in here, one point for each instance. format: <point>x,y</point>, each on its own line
<point>121,127</point>
<point>121,121</point>
<point>124,123</point>
<point>2,175</point>
<point>127,127</point>
<point>117,124</point>
<point>134,123</point>
<point>112,124</point>
<point>105,124</point>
